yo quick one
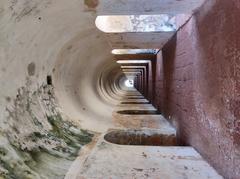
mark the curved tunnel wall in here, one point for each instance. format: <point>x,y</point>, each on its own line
<point>57,39</point>
<point>60,39</point>
<point>76,80</point>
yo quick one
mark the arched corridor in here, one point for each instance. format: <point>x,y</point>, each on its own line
<point>119,89</point>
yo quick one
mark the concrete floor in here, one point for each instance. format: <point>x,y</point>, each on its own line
<point>116,161</point>
<point>102,159</point>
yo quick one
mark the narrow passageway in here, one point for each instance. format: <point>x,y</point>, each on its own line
<point>140,145</point>
<point>123,89</point>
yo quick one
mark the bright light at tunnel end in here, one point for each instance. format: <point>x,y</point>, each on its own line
<point>129,83</point>
<point>132,61</point>
<point>134,51</point>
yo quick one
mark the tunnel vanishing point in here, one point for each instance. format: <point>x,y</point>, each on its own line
<point>122,89</point>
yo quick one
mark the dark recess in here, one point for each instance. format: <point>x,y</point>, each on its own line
<point>49,80</point>
<point>139,112</point>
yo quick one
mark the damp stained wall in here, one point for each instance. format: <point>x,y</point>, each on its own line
<point>52,59</point>
<point>197,84</point>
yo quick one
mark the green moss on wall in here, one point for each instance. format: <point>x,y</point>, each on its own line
<point>49,140</point>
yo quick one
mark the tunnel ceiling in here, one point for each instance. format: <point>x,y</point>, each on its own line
<point>142,7</point>
<point>136,23</point>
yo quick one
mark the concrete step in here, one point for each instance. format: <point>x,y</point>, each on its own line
<point>109,160</point>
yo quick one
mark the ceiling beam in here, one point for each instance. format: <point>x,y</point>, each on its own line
<point>139,40</point>
<point>132,67</point>
<point>145,7</point>
<point>135,57</point>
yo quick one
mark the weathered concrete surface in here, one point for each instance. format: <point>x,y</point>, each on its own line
<point>197,84</point>
<point>57,77</point>
<point>44,42</point>
<point>138,23</point>
<point>140,32</point>
<point>141,121</point>
<point>142,7</point>
<point>135,57</point>
<point>117,161</point>
<point>140,40</point>
<point>37,142</point>
<point>147,137</point>
<point>132,159</point>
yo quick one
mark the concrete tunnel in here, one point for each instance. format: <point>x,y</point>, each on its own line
<point>119,89</point>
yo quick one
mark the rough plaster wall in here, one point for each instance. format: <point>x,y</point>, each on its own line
<point>150,82</point>
<point>76,80</point>
<point>40,38</point>
<point>157,82</point>
<point>197,84</point>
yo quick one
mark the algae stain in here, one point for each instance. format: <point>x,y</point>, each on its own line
<point>74,138</point>
<point>60,143</point>
<point>91,3</point>
<point>31,69</point>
